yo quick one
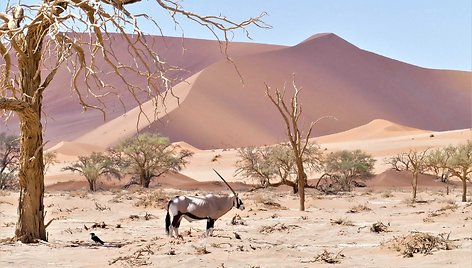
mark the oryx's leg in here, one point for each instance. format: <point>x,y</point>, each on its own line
<point>210,225</point>
<point>175,225</point>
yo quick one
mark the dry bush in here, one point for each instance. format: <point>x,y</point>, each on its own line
<point>359,208</point>
<point>423,243</point>
<point>379,227</point>
<point>237,220</point>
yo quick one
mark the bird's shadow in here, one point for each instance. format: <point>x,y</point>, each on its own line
<point>78,243</point>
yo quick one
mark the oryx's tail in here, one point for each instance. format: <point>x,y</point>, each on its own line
<point>168,218</point>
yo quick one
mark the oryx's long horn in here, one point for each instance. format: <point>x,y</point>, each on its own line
<point>221,177</point>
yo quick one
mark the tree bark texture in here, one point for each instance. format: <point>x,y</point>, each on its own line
<point>30,226</point>
<point>301,188</point>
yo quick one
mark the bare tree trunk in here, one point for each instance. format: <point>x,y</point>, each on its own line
<point>144,179</point>
<point>301,189</point>
<point>92,185</point>
<point>464,189</point>
<point>414,184</point>
<point>146,183</point>
<point>30,226</point>
<point>301,185</point>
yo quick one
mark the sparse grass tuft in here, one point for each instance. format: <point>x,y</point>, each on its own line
<point>201,250</point>
<point>267,201</point>
<point>342,221</point>
<point>359,208</point>
<point>153,199</point>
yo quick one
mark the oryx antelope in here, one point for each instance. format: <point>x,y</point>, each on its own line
<point>209,207</point>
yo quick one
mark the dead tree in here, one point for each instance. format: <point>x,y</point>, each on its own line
<point>37,40</point>
<point>413,161</point>
<point>291,112</point>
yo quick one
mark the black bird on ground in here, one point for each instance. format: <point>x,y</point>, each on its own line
<point>96,239</point>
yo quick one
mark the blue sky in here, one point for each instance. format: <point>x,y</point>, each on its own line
<point>428,33</point>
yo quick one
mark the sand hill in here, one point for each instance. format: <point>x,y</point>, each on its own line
<point>217,111</point>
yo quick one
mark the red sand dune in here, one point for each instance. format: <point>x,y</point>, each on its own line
<point>376,129</point>
<point>393,178</point>
<point>338,79</point>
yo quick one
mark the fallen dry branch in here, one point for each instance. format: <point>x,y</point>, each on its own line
<point>342,221</point>
<point>137,258</point>
<point>278,227</point>
<point>101,207</point>
<point>423,243</point>
<point>327,257</point>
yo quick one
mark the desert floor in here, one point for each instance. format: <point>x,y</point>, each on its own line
<point>273,233</point>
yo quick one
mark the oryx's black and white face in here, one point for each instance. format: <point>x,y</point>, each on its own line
<point>238,203</point>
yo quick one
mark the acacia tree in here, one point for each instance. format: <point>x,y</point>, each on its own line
<point>93,167</point>
<point>9,157</point>
<point>37,39</point>
<point>413,161</point>
<point>275,165</point>
<point>347,166</point>
<point>49,158</point>
<point>148,156</point>
<point>291,112</point>
<point>436,161</point>
<point>459,164</point>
